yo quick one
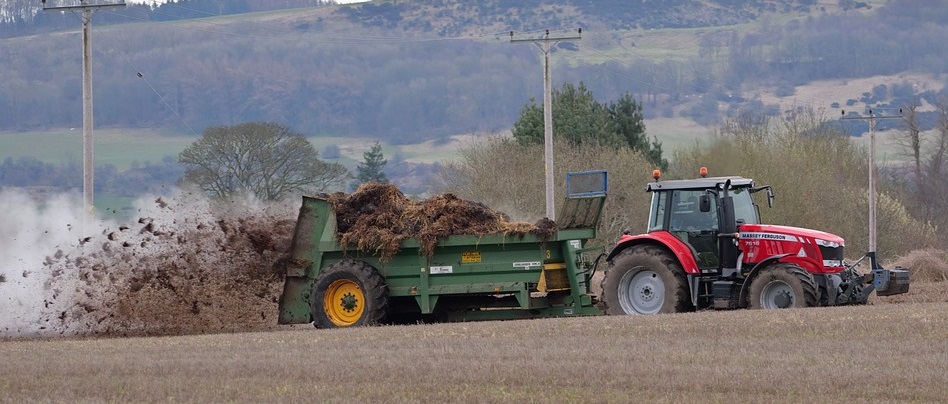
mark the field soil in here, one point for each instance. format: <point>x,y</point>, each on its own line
<point>884,353</point>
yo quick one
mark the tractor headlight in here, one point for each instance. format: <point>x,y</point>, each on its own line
<point>825,243</point>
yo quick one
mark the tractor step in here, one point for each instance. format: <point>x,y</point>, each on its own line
<point>726,295</point>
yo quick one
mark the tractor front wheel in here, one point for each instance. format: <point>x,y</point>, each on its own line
<point>645,280</point>
<point>783,286</point>
<point>348,293</point>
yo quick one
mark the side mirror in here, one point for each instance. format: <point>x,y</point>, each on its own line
<point>770,194</point>
<point>704,203</point>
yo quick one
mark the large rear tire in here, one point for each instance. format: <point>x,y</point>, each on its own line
<point>348,293</point>
<point>645,279</point>
<point>783,286</point>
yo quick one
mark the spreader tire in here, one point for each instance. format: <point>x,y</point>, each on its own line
<point>645,279</point>
<point>348,293</point>
<point>783,286</point>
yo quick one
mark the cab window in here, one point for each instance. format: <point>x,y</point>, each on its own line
<point>686,213</point>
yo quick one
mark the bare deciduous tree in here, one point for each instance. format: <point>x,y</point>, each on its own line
<point>819,176</point>
<point>928,152</point>
<point>267,160</point>
<point>911,141</point>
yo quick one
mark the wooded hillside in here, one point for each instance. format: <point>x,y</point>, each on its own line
<point>416,70</point>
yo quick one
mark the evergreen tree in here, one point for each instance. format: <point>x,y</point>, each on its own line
<point>578,118</point>
<point>372,169</point>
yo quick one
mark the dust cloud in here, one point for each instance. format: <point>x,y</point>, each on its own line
<point>182,265</point>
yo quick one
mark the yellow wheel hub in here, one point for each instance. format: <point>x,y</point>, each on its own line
<point>344,302</point>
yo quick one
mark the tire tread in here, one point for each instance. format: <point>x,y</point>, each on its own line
<point>637,253</point>
<point>807,284</point>
<point>373,288</point>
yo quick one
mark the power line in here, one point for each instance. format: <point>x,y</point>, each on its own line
<point>141,75</point>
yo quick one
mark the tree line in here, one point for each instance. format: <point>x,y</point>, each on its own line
<point>300,73</point>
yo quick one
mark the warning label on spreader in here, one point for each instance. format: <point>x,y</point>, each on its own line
<point>471,257</point>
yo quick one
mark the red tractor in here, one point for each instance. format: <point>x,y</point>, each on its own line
<point>706,248</point>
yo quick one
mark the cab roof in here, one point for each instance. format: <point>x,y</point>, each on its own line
<point>699,183</point>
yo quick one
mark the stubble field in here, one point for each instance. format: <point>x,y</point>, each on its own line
<point>886,352</point>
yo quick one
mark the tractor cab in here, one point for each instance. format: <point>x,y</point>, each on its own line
<point>696,212</point>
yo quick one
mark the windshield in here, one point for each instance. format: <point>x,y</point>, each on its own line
<point>744,209</point>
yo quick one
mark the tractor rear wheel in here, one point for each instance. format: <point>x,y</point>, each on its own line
<point>783,286</point>
<point>645,280</point>
<point>348,293</point>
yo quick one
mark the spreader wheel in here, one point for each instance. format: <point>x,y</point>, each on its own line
<point>783,286</point>
<point>348,293</point>
<point>645,280</point>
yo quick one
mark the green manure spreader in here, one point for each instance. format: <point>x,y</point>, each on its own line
<point>451,277</point>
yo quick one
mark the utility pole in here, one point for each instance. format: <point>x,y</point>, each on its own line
<point>87,140</point>
<point>545,44</point>
<point>872,180</point>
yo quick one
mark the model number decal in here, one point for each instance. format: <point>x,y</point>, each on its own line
<point>444,269</point>
<point>527,264</point>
